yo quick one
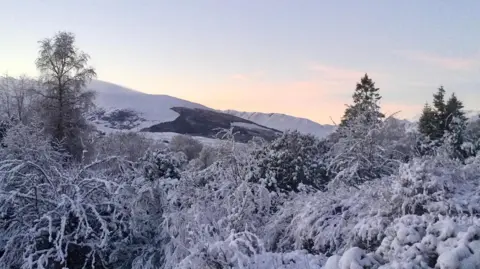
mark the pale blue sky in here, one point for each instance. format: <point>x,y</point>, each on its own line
<point>297,57</point>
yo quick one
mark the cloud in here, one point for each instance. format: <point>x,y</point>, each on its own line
<point>451,63</point>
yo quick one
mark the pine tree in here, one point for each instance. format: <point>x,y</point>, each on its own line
<point>357,155</point>
<point>365,102</point>
<point>445,122</point>
<point>456,124</point>
<point>454,109</point>
<point>427,123</point>
<point>440,114</point>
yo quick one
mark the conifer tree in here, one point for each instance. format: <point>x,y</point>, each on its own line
<point>427,120</point>
<point>440,114</point>
<point>357,155</point>
<point>454,109</point>
<point>365,102</point>
<point>456,124</point>
<point>445,122</point>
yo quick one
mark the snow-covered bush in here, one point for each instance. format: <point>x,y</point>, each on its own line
<point>162,164</point>
<point>419,242</point>
<point>472,138</point>
<point>24,142</point>
<point>57,216</point>
<point>208,156</point>
<point>129,145</point>
<point>290,161</point>
<point>332,221</point>
<point>186,144</point>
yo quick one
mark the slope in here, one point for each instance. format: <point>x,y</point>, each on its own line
<point>120,108</point>
<point>149,108</point>
<point>284,122</point>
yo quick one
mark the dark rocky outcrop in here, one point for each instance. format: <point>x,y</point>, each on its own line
<point>207,123</point>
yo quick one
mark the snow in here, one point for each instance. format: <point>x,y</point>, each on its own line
<point>154,108</point>
<point>284,122</point>
<point>248,125</point>
<point>167,136</point>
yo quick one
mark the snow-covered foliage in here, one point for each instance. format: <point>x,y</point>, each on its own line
<point>148,207</point>
<point>367,149</point>
<point>133,202</point>
<point>291,161</point>
<point>472,137</point>
<point>128,145</point>
<point>186,144</point>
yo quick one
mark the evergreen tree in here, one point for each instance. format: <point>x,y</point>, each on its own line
<point>357,155</point>
<point>440,114</point>
<point>365,102</point>
<point>445,122</point>
<point>427,120</point>
<point>454,109</point>
<point>456,124</point>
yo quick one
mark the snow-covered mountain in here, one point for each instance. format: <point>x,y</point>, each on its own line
<point>123,108</point>
<point>120,108</point>
<point>284,122</point>
<point>149,108</point>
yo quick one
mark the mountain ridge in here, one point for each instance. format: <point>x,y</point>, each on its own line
<point>144,110</point>
<point>121,108</point>
<point>284,122</point>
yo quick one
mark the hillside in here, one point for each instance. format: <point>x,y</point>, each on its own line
<point>120,108</point>
<point>284,122</point>
<point>145,109</point>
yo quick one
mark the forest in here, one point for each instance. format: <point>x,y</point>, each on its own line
<point>379,192</point>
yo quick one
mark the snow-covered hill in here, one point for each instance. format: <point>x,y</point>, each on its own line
<point>120,108</point>
<point>284,122</point>
<point>149,108</point>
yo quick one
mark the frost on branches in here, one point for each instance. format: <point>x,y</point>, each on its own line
<point>144,205</point>
<point>291,161</point>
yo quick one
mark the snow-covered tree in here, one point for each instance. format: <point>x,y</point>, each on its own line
<point>365,98</point>
<point>17,96</point>
<point>292,160</point>
<point>358,154</point>
<point>64,74</point>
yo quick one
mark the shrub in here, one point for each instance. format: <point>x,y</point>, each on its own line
<point>129,145</point>
<point>186,144</point>
<point>292,160</point>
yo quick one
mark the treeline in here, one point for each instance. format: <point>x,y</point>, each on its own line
<point>368,145</point>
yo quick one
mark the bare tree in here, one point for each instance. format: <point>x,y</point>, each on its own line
<point>5,97</point>
<point>23,96</point>
<point>17,94</point>
<point>64,74</point>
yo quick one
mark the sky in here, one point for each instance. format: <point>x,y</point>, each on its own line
<point>297,57</point>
